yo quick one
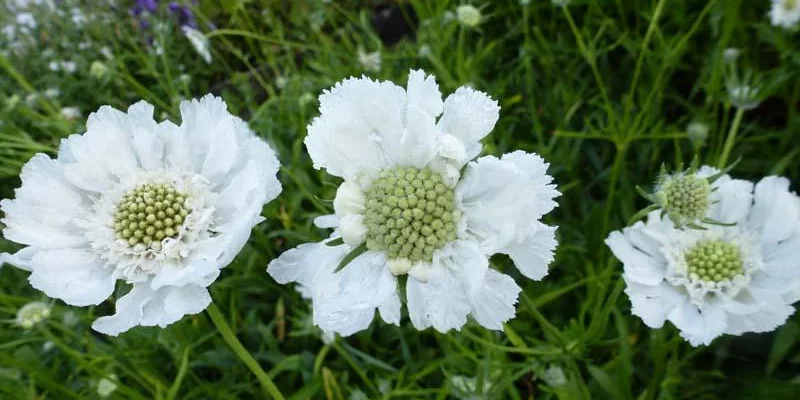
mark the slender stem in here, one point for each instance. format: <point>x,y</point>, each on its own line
<point>726,151</point>
<point>247,359</point>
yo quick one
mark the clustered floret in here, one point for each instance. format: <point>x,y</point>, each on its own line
<point>410,213</point>
<point>714,261</point>
<point>150,213</point>
<point>686,198</point>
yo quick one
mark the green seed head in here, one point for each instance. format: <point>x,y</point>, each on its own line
<point>685,198</point>
<point>410,213</point>
<point>714,261</point>
<point>149,213</point>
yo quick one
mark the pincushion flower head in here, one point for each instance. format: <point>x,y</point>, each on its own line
<point>159,206</point>
<point>722,279</point>
<point>687,197</point>
<point>412,203</point>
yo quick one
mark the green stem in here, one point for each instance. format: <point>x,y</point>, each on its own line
<point>726,151</point>
<point>247,359</point>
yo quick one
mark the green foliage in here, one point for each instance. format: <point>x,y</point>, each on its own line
<point>603,90</point>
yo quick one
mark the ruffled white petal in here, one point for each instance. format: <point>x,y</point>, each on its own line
<point>493,303</point>
<point>45,209</point>
<point>503,199</point>
<point>147,307</point>
<point>310,265</point>
<point>103,155</point>
<point>469,115</point>
<point>696,326</point>
<point>456,281</point>
<point>363,285</point>
<point>730,199</point>
<point>534,254</point>
<point>76,276</point>
<point>775,212</point>
<point>639,266</point>
<point>653,303</point>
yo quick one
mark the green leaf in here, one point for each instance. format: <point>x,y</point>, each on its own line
<point>785,339</point>
<point>351,256</point>
<point>335,242</point>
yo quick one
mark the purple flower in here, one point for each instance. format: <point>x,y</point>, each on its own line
<point>183,14</point>
<point>144,5</point>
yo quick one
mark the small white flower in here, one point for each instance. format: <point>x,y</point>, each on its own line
<point>98,70</point>
<point>106,52</point>
<point>281,81</point>
<point>697,132</point>
<point>745,97</point>
<point>52,93</point>
<point>26,20</point>
<point>721,280</point>
<point>424,51</point>
<point>560,3</point>
<point>159,206</point>
<point>785,13</point>
<point>554,376</point>
<point>106,386</point>
<point>468,15</point>
<point>31,99</point>
<point>416,201</point>
<point>54,66</point>
<point>70,113</point>
<point>370,61</point>
<point>199,41</point>
<point>731,54</point>
<point>69,66</point>
<point>32,314</point>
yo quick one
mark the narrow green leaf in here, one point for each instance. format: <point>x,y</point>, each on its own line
<point>351,256</point>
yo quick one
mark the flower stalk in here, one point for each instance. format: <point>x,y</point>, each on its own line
<point>237,347</point>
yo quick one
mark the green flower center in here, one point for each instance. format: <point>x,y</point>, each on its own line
<point>410,213</point>
<point>150,213</point>
<point>686,197</point>
<point>714,261</point>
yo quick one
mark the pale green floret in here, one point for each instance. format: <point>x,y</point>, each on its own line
<point>149,213</point>
<point>410,213</point>
<point>685,198</point>
<point>714,261</point>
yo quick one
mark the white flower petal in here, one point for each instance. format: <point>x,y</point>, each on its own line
<point>533,255</point>
<point>457,276</point>
<point>104,154</point>
<point>303,263</point>
<point>350,199</point>
<point>147,307</point>
<point>364,285</point>
<point>493,304</point>
<point>776,211</point>
<point>75,276</point>
<point>198,272</point>
<point>765,320</point>
<point>45,208</point>
<point>698,327</point>
<point>653,304</point>
<point>352,229</point>
<point>326,221</point>
<point>145,136</point>
<point>639,266</point>
<point>356,116</point>
<point>469,115</point>
<point>503,199</point>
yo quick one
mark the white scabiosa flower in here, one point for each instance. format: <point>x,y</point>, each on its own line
<point>158,206</point>
<point>721,280</point>
<point>785,13</point>
<point>199,41</point>
<point>32,314</point>
<point>413,203</point>
<point>468,15</point>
